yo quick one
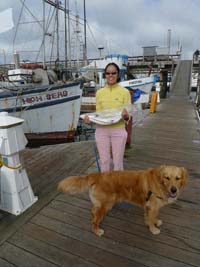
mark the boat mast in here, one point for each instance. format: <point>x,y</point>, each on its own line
<point>44,36</point>
<point>77,40</point>
<point>69,42</point>
<point>85,40</point>
<point>65,19</point>
<point>58,7</point>
<point>57,30</point>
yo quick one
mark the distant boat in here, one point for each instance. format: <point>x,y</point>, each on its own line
<point>94,73</point>
<point>141,87</point>
<point>95,70</point>
<point>145,83</point>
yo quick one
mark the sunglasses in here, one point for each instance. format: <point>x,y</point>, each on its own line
<point>111,73</point>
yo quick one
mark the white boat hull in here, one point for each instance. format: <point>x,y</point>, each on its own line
<point>144,84</point>
<point>50,113</point>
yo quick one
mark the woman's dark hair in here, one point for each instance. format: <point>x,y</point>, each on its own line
<point>116,66</point>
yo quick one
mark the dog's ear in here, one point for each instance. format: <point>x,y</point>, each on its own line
<point>159,172</point>
<point>184,176</point>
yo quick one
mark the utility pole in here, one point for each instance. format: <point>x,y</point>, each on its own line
<point>4,56</point>
<point>198,85</point>
<point>169,41</point>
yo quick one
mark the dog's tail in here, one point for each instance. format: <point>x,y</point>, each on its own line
<point>74,184</point>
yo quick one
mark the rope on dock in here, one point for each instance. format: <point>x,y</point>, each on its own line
<point>97,157</point>
<point>2,163</point>
<point>198,115</point>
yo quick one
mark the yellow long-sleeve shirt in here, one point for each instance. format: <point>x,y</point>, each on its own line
<point>112,97</point>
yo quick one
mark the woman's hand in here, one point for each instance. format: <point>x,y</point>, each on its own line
<point>125,115</point>
<point>86,119</point>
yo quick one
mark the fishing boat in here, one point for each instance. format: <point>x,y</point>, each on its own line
<point>41,95</point>
<point>50,110</point>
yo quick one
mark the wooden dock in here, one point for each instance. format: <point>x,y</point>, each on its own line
<point>56,230</point>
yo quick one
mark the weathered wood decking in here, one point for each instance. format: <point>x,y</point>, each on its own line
<point>56,230</point>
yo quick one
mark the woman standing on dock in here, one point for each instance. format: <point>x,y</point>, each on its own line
<point>111,139</point>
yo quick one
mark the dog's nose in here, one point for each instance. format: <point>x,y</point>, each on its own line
<point>173,189</point>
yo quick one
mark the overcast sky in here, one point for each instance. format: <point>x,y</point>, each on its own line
<point>120,26</point>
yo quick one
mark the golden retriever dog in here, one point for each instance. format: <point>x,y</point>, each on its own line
<point>151,189</point>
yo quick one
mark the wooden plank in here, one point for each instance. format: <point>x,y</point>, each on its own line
<point>5,263</point>
<point>69,245</point>
<point>14,256</point>
<point>59,163</point>
<point>52,254</point>
<point>121,243</point>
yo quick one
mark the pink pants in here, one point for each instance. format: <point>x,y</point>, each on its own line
<point>107,138</point>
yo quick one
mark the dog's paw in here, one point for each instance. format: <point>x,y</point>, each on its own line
<point>154,230</point>
<point>159,223</point>
<point>99,232</point>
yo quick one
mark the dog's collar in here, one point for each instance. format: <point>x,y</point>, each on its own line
<point>149,194</point>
